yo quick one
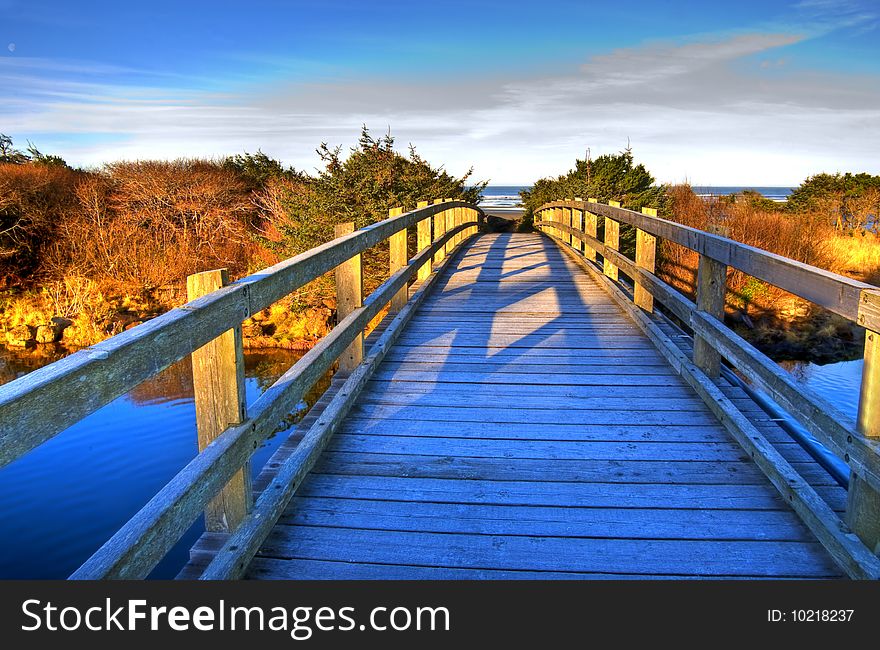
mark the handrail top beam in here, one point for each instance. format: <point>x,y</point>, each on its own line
<point>835,292</point>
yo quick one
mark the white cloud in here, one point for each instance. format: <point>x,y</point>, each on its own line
<point>703,110</point>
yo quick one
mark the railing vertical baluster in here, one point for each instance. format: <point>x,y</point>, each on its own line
<point>863,502</point>
<point>646,252</point>
<point>711,290</point>
<point>218,383</point>
<point>397,259</point>
<point>349,296</point>
<point>591,227</point>
<point>612,240</point>
<point>423,240</point>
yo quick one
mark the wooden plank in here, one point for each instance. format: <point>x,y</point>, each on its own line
<point>235,555</point>
<point>545,493</point>
<point>791,479</point>
<point>527,368</point>
<point>548,415</point>
<point>533,378</point>
<point>141,543</point>
<point>525,431</point>
<point>869,309</point>
<point>540,449</point>
<point>551,553</point>
<point>590,471</point>
<point>218,386</point>
<point>264,568</point>
<point>541,521</point>
<point>397,259</point>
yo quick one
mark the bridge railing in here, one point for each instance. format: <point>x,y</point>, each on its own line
<point>575,223</point>
<point>43,403</point>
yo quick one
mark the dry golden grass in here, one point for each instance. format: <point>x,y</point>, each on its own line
<point>857,256</point>
<point>808,238</point>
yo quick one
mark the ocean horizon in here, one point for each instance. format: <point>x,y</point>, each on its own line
<point>507,196</point>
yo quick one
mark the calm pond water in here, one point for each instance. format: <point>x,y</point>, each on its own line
<point>62,501</point>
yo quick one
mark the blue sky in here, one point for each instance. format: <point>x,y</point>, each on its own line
<point>758,93</point>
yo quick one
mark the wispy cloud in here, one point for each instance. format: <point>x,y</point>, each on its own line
<point>706,109</point>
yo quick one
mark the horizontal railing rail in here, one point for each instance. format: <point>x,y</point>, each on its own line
<point>43,403</point>
<point>47,401</point>
<point>576,223</point>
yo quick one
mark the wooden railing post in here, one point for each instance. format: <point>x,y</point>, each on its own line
<point>711,290</point>
<point>612,240</point>
<point>646,252</point>
<point>397,259</point>
<point>450,224</point>
<point>439,231</point>
<point>423,240</point>
<point>349,296</point>
<point>591,227</point>
<point>218,382</point>
<point>577,222</point>
<point>863,502</point>
<point>568,214</point>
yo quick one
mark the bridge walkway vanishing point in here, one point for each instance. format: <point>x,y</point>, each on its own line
<point>523,427</point>
<point>534,405</point>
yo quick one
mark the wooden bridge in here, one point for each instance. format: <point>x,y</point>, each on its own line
<point>534,405</point>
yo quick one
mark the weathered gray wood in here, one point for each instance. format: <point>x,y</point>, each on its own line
<point>543,521</point>
<point>832,291</point>
<point>142,542</point>
<point>349,297</point>
<point>869,309</point>
<point>218,386</point>
<point>817,415</point>
<point>275,569</point>
<point>794,485</point>
<point>692,496</point>
<point>711,290</point>
<point>232,560</point>
<point>529,469</point>
<point>397,259</point>
<point>550,553</point>
<point>48,400</point>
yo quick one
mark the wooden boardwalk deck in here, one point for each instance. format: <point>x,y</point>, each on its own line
<point>523,427</point>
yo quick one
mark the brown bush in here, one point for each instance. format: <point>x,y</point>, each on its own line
<point>148,224</point>
<point>34,199</point>
<point>804,236</point>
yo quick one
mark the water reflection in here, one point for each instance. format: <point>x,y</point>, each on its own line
<point>838,383</point>
<point>61,501</point>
